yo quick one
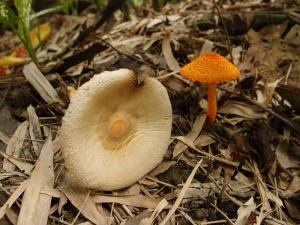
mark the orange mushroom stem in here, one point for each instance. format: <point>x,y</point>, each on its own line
<point>212,103</point>
<point>211,69</point>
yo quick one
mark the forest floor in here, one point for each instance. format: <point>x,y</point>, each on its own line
<point>242,169</point>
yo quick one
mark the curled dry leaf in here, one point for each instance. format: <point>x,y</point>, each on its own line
<point>168,54</point>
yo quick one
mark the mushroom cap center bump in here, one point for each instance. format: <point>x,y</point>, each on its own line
<point>118,128</point>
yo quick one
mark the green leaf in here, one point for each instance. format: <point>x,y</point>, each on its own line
<point>24,9</point>
<point>70,6</point>
<point>138,3</point>
<point>7,15</point>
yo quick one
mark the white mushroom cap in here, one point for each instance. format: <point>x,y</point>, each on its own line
<point>114,132</point>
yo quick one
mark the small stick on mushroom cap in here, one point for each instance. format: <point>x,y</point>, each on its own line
<point>211,69</point>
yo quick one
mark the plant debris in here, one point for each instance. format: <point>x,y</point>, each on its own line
<point>243,169</point>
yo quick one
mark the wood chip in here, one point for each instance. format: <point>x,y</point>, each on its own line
<point>15,145</point>
<point>35,205</point>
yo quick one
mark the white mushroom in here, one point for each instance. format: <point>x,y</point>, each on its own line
<point>115,132</point>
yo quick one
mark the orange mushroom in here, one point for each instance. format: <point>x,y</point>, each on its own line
<point>211,69</point>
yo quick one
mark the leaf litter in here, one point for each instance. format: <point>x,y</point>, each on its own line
<point>249,171</point>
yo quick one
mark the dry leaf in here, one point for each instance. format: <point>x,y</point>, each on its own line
<point>168,54</point>
<point>161,206</point>
<point>20,189</point>
<point>25,167</point>
<point>11,216</point>
<point>138,218</point>
<point>192,135</point>
<point>292,36</point>
<point>35,131</point>
<point>242,109</point>
<point>40,83</point>
<point>207,47</point>
<point>15,145</point>
<point>204,140</point>
<point>293,187</point>
<point>82,201</point>
<point>136,200</point>
<point>244,212</point>
<point>35,205</point>
<point>163,167</point>
<point>4,138</point>
<point>284,157</point>
<point>293,208</point>
<point>181,194</point>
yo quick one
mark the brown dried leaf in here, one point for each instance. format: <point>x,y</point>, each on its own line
<point>35,131</point>
<point>284,157</point>
<point>25,167</point>
<point>4,138</point>
<point>163,167</point>
<point>192,135</point>
<point>160,207</point>
<point>244,212</point>
<point>12,216</point>
<point>293,187</point>
<point>242,109</point>
<point>15,145</point>
<point>292,36</point>
<point>137,200</point>
<point>35,205</point>
<point>40,83</point>
<point>181,194</point>
<point>20,189</point>
<point>82,201</point>
<point>168,54</point>
<point>293,208</point>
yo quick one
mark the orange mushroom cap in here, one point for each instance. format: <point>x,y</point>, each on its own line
<point>210,68</point>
